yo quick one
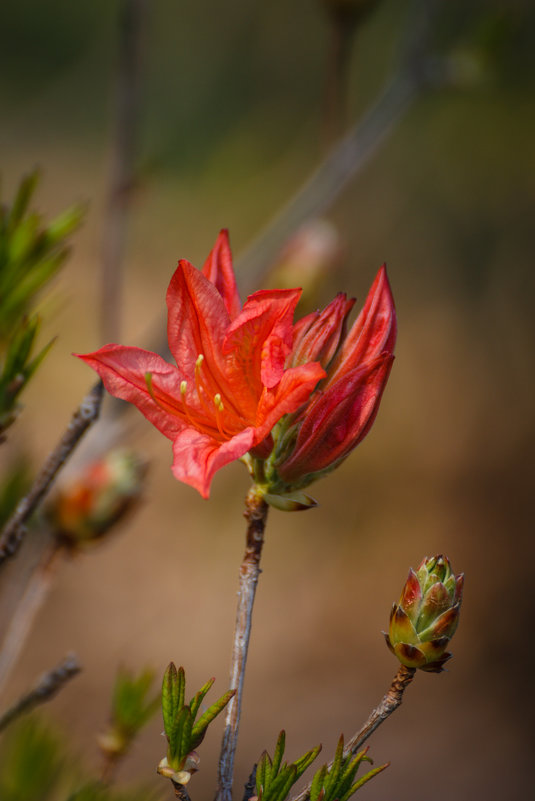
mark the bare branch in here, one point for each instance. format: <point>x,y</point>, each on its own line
<point>415,72</point>
<point>46,688</point>
<point>256,510</point>
<point>14,530</point>
<point>23,617</point>
<point>122,171</point>
<point>389,703</point>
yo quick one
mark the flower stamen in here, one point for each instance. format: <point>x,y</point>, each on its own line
<point>219,408</point>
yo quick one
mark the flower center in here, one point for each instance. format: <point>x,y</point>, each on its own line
<point>208,416</point>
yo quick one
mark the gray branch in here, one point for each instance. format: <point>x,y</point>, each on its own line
<point>13,532</point>
<point>46,688</point>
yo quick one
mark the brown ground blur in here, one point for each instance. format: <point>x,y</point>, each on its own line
<point>448,467</point>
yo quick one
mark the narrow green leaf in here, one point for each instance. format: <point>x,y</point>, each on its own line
<point>331,780</point>
<point>306,760</point>
<point>198,698</point>
<point>317,783</point>
<point>261,773</point>
<point>22,198</point>
<point>169,698</point>
<point>200,727</point>
<point>181,676</point>
<point>363,780</point>
<point>184,732</point>
<point>180,739</point>
<point>63,225</point>
<point>278,753</point>
<point>351,767</point>
<point>282,785</point>
<point>34,364</point>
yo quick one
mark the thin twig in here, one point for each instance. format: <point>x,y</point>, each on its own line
<point>27,608</point>
<point>340,166</point>
<point>14,530</point>
<point>180,792</point>
<point>390,702</point>
<point>342,35</point>
<point>122,171</point>
<point>47,686</point>
<point>416,71</point>
<point>255,513</point>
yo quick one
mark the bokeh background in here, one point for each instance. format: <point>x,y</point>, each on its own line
<point>232,122</point>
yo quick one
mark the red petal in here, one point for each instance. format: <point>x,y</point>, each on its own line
<point>123,372</point>
<point>319,338</point>
<point>258,341</point>
<point>197,319</point>
<point>293,391</point>
<point>218,269</point>
<point>373,332</point>
<point>197,456</point>
<point>338,420</point>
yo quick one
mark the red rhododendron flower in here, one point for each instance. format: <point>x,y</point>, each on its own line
<point>230,385</point>
<point>340,412</point>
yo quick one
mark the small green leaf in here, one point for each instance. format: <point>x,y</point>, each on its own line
<point>200,727</point>
<point>22,198</point>
<point>306,760</point>
<point>317,783</point>
<point>282,785</point>
<point>279,753</point>
<point>181,676</point>
<point>332,778</point>
<point>261,773</point>
<point>363,780</point>
<point>198,698</point>
<point>180,739</point>
<point>169,698</point>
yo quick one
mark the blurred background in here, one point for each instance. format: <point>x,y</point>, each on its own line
<point>237,106</point>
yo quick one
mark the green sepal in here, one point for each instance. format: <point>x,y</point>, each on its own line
<point>199,730</point>
<point>198,698</point>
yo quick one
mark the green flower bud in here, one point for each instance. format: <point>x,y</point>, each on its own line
<point>425,619</point>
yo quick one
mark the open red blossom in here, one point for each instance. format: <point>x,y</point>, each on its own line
<point>230,385</point>
<point>341,411</point>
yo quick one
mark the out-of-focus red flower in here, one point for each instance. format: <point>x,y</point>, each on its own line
<point>97,497</point>
<point>231,384</point>
<point>339,414</point>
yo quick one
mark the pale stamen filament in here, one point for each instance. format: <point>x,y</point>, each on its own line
<point>202,390</point>
<point>219,408</point>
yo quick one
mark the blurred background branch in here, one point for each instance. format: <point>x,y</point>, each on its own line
<point>122,178</point>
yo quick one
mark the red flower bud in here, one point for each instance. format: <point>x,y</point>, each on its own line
<point>341,410</point>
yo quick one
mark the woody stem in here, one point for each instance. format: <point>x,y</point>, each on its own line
<point>255,513</point>
<point>389,703</point>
